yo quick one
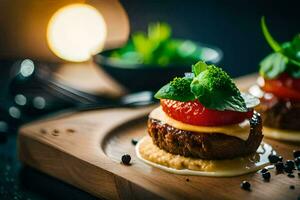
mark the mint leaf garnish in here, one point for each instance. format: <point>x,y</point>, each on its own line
<point>178,89</point>
<point>286,56</point>
<point>215,90</point>
<point>212,86</point>
<point>273,65</point>
<point>199,67</point>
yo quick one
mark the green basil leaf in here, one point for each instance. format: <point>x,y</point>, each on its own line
<point>179,89</point>
<point>215,90</point>
<point>296,43</point>
<point>273,44</point>
<point>273,65</point>
<point>199,67</point>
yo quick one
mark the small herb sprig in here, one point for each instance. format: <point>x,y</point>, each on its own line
<point>212,86</point>
<point>285,58</point>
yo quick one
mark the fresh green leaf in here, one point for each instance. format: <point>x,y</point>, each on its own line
<point>273,65</point>
<point>178,89</point>
<point>273,44</point>
<point>157,48</point>
<point>212,87</point>
<point>296,42</point>
<point>285,59</point>
<point>199,67</point>
<point>215,90</point>
<point>159,32</point>
<point>292,50</point>
<point>143,46</point>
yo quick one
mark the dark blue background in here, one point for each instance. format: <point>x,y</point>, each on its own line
<point>234,25</point>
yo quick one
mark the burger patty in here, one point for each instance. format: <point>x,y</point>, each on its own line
<point>280,114</point>
<point>210,146</point>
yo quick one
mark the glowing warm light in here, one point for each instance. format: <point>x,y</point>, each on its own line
<point>76,32</point>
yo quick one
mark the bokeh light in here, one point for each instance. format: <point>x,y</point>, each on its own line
<point>76,32</point>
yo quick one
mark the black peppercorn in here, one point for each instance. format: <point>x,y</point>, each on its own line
<point>273,158</point>
<point>134,141</point>
<point>126,159</point>
<point>280,158</point>
<point>266,176</point>
<point>279,166</point>
<point>245,185</point>
<point>288,169</point>
<point>290,164</point>
<point>292,187</point>
<point>296,153</point>
<point>264,170</point>
<point>187,180</point>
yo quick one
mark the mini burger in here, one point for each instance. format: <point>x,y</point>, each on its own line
<point>204,126</point>
<point>279,89</point>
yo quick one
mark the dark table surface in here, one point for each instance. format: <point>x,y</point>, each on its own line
<point>21,182</point>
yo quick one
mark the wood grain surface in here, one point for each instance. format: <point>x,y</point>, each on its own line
<point>84,149</point>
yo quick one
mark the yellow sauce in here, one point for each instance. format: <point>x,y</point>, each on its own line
<point>241,130</point>
<point>154,156</point>
<point>280,134</point>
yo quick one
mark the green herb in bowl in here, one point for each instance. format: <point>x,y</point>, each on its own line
<point>151,58</point>
<point>156,47</point>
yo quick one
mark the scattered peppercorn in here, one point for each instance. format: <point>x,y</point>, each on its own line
<point>43,131</point>
<point>296,153</point>
<point>292,187</point>
<point>290,164</point>
<point>266,176</point>
<point>245,185</point>
<point>273,158</point>
<point>126,159</point>
<point>134,141</point>
<point>299,174</point>
<point>291,175</point>
<point>56,131</point>
<point>279,167</point>
<point>264,170</point>
<point>69,130</point>
<point>288,169</point>
<point>187,180</point>
<point>280,158</point>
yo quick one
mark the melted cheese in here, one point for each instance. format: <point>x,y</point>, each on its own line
<point>279,134</point>
<point>241,130</point>
<point>156,157</point>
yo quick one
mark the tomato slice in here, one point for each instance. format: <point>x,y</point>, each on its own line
<point>284,87</point>
<point>193,112</point>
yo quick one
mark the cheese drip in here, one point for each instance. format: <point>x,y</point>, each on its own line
<point>241,130</point>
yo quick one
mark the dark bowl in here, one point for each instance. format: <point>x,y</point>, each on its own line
<point>139,77</point>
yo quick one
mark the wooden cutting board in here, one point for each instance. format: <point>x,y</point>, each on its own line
<point>84,149</point>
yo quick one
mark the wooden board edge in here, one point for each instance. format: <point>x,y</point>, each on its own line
<point>52,161</point>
